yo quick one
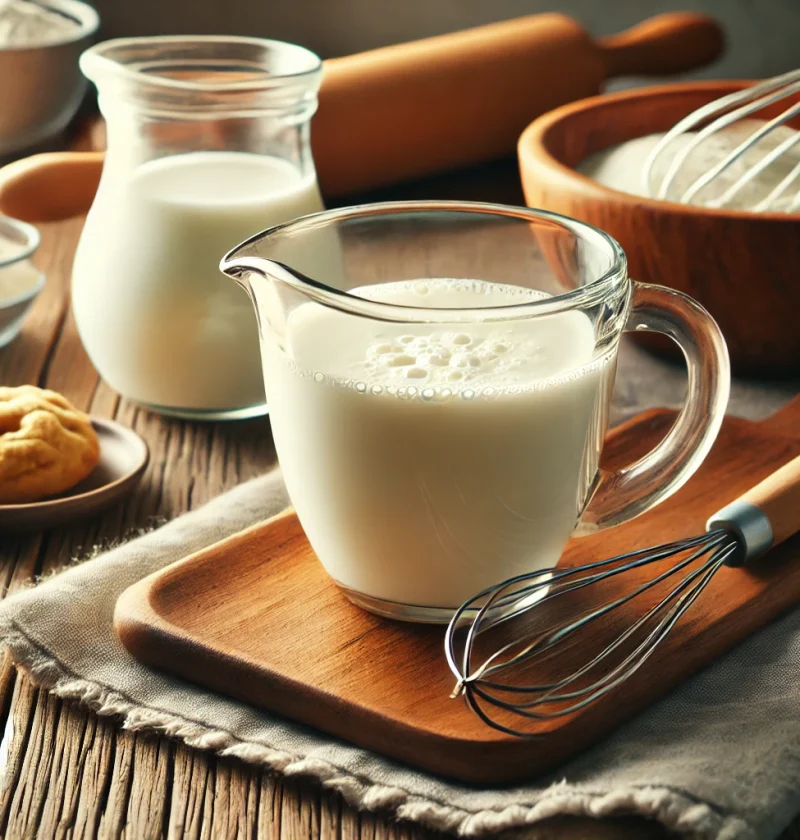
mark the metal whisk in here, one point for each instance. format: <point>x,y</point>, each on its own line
<point>725,113</point>
<point>532,617</point>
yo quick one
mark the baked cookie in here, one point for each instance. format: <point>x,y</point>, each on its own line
<point>46,444</point>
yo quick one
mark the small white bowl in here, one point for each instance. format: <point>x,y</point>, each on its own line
<point>14,307</point>
<point>41,86</point>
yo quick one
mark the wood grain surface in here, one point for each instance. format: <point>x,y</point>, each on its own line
<point>69,774</point>
<point>740,266</point>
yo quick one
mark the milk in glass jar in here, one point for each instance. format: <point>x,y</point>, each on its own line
<point>208,144</point>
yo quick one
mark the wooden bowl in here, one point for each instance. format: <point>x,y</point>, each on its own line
<point>743,267</point>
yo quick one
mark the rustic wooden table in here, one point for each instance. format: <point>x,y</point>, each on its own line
<point>67,773</point>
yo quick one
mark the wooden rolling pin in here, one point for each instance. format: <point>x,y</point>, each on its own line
<point>410,110</point>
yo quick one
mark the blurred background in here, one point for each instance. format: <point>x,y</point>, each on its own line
<point>763,35</point>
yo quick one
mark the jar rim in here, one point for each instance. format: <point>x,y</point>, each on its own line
<point>105,58</point>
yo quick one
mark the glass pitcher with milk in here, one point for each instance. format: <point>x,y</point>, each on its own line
<point>208,143</point>
<point>439,394</point>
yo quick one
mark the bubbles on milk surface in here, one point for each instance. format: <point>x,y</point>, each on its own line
<point>474,358</point>
<point>442,358</point>
<point>470,360</point>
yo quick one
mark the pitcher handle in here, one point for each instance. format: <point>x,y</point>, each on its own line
<point>623,494</point>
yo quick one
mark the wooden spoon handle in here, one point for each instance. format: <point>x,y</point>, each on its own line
<point>778,496</point>
<point>670,43</point>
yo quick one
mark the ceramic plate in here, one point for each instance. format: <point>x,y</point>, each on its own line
<point>123,458</point>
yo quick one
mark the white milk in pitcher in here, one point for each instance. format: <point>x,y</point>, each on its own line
<point>159,321</point>
<point>427,462</point>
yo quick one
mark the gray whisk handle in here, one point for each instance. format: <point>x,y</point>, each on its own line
<point>749,525</point>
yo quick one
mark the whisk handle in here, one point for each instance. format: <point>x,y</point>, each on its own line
<point>674,42</point>
<point>766,515</point>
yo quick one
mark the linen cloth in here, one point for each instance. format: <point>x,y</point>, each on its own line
<point>717,758</point>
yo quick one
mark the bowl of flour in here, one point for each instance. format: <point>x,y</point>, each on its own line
<point>586,160</point>
<point>42,86</point>
<point>20,280</point>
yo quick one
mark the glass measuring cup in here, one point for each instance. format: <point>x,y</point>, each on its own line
<point>440,382</point>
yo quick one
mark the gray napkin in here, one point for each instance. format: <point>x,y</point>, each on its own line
<point>717,758</point>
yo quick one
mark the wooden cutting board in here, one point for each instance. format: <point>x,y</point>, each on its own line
<point>257,618</point>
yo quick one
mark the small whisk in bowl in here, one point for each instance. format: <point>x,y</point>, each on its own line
<point>754,164</point>
<point>535,622</point>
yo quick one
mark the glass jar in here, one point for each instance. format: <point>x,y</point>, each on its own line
<point>208,143</point>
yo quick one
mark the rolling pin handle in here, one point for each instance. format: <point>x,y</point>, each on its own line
<point>663,45</point>
<point>51,186</point>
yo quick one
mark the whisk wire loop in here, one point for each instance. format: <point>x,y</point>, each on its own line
<point>610,681</point>
<point>743,147</point>
<point>485,695</point>
<point>499,600</point>
<point>717,116</point>
<point>544,643</point>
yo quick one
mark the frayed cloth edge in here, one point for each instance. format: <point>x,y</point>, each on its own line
<point>676,812</point>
